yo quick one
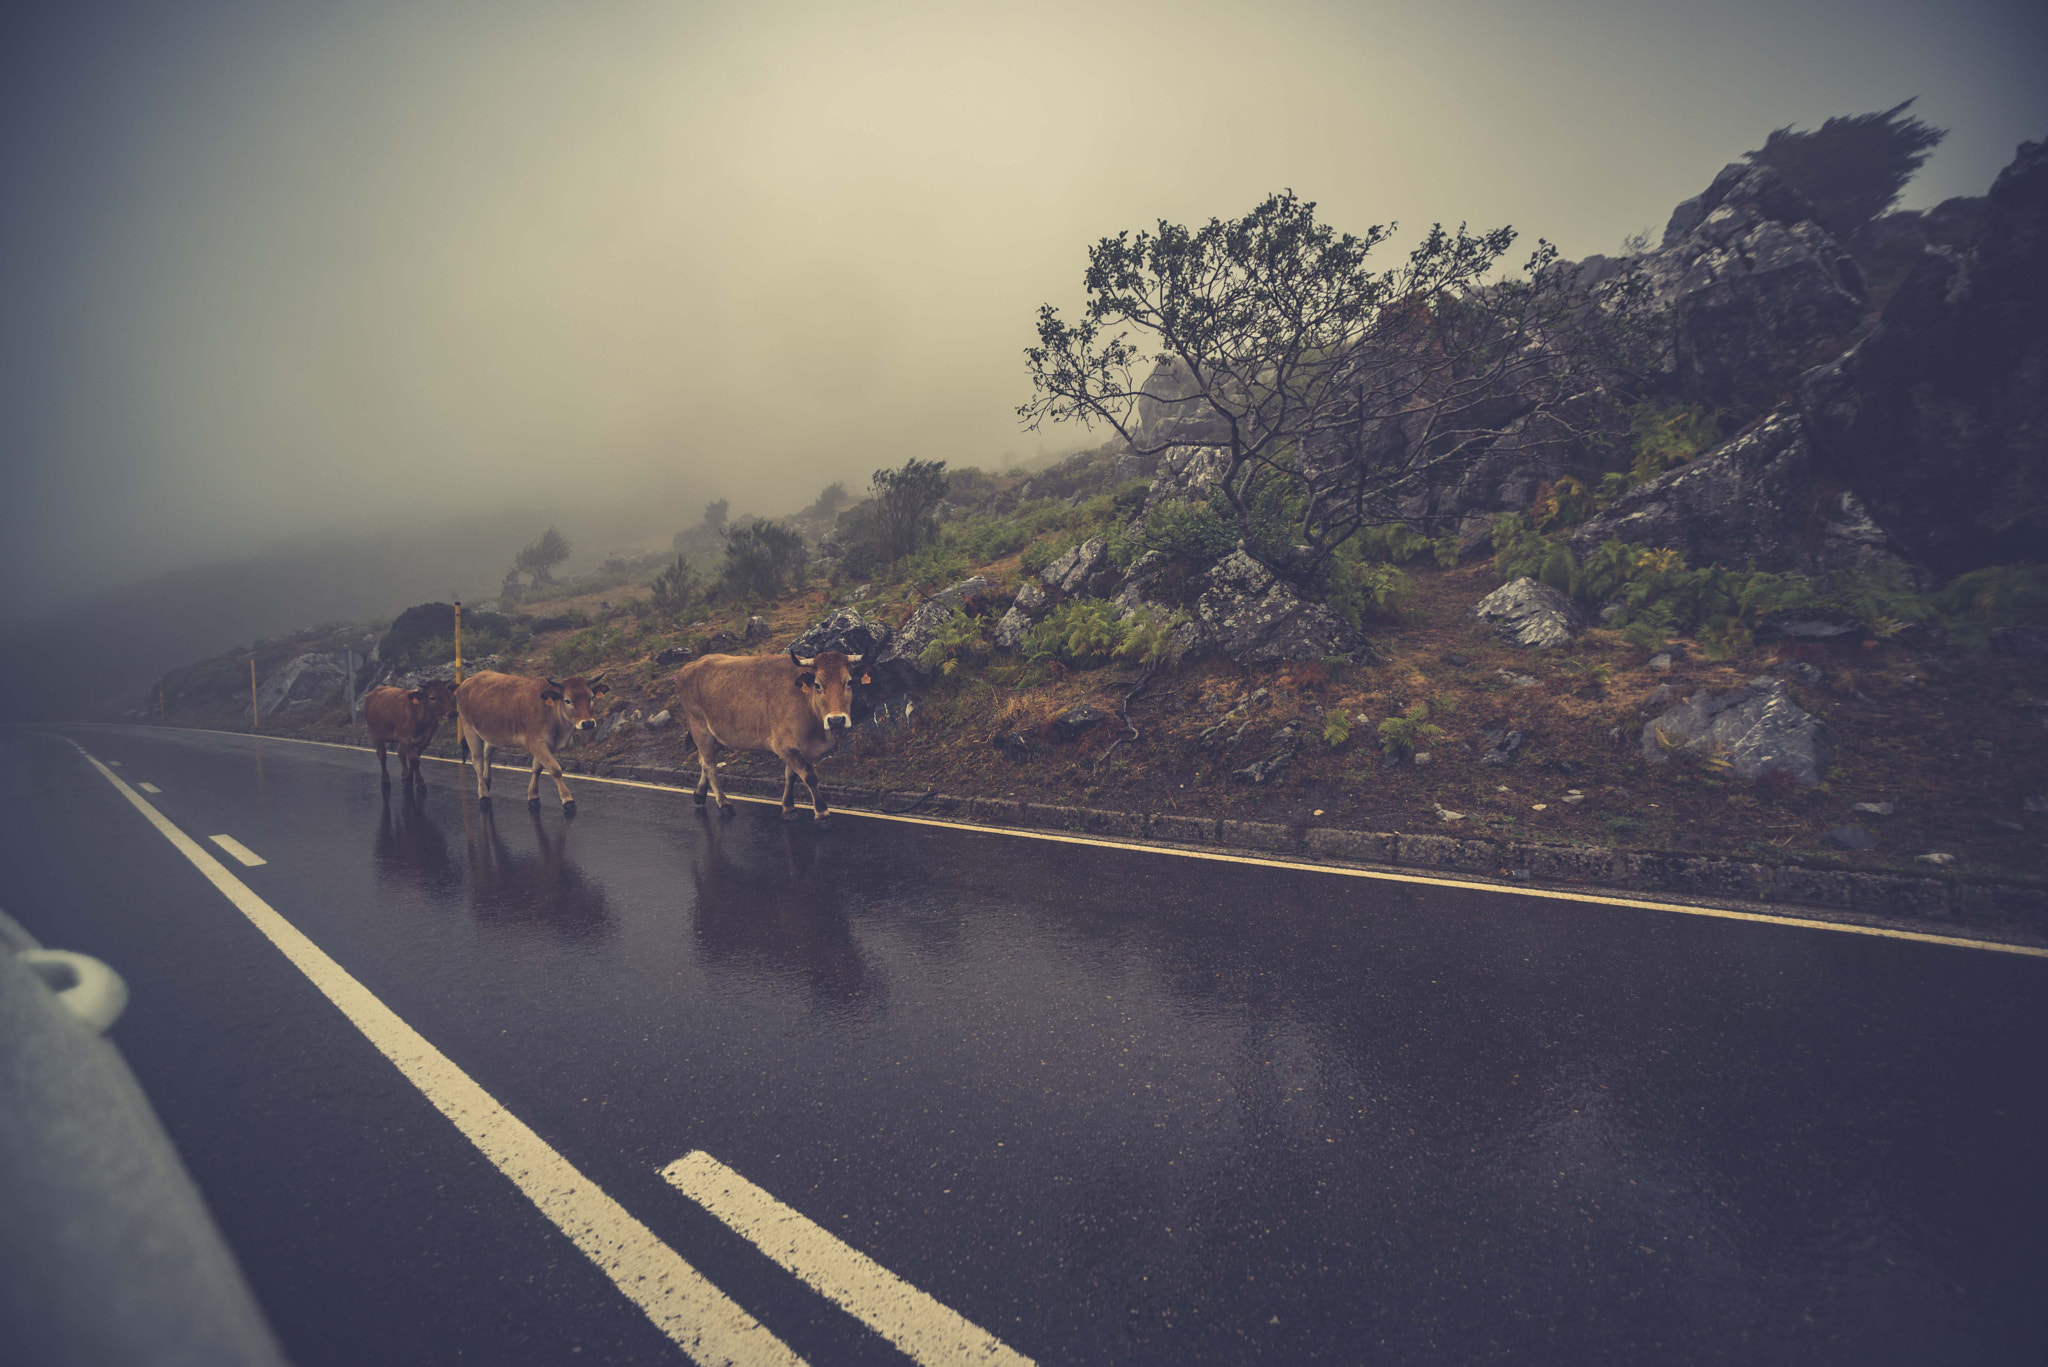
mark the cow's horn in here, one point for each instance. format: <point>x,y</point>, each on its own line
<point>853,659</point>
<point>802,663</point>
<point>598,678</point>
<point>554,685</point>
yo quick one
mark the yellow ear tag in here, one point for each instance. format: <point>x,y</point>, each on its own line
<point>867,678</point>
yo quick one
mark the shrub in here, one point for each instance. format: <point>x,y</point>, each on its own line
<point>670,593</point>
<point>1336,727</point>
<point>761,560</point>
<point>1148,637</point>
<point>1665,435</point>
<point>1190,529</point>
<point>1082,632</point>
<point>933,568</point>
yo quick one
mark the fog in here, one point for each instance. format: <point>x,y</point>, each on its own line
<point>284,272</point>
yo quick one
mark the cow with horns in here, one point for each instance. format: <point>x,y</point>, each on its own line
<point>537,715</point>
<point>795,708</point>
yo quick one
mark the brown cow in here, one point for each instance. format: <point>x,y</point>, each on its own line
<point>536,715</point>
<point>795,709</point>
<point>407,719</point>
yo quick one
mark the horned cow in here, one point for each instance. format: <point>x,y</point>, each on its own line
<point>407,718</point>
<point>794,708</point>
<point>536,715</point>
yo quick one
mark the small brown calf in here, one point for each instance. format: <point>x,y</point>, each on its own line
<point>407,719</point>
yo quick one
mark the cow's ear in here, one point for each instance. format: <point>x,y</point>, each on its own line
<point>550,695</point>
<point>806,681</point>
<point>598,690</point>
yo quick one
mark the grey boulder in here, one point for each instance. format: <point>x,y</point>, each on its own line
<point>1244,611</point>
<point>1072,571</point>
<point>845,631</point>
<point>1758,730</point>
<point>1527,613</point>
<point>911,639</point>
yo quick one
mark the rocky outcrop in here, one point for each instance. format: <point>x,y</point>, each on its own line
<point>1756,730</point>
<point>1755,283</point>
<point>1078,568</point>
<point>1758,498</point>
<point>1242,610</point>
<point>845,631</point>
<point>910,640</point>
<point>1939,419</point>
<point>300,681</point>
<point>1526,613</point>
<point>1030,605</point>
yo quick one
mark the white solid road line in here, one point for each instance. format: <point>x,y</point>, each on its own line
<point>149,787</point>
<point>250,859</point>
<point>928,1332</point>
<point>702,1320</point>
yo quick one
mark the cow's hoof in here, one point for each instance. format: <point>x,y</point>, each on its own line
<point>726,809</point>
<point>569,807</point>
<point>697,798</point>
<point>533,804</point>
<point>789,813</point>
<point>483,804</point>
<point>387,785</point>
<point>824,821</point>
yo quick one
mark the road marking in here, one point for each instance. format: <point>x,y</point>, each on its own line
<point>149,788</point>
<point>928,1332</point>
<point>116,763</point>
<point>1339,870</point>
<point>702,1320</point>
<point>250,859</point>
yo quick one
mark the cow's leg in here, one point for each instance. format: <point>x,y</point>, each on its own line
<point>707,768</point>
<point>384,768</point>
<point>796,766</point>
<point>480,757</point>
<point>408,764</point>
<point>543,758</point>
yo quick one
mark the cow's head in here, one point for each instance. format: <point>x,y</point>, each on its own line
<point>826,682</point>
<point>437,697</point>
<point>573,699</point>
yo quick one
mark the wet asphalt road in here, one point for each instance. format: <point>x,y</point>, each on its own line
<point>1110,1106</point>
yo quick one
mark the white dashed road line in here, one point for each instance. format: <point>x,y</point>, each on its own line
<point>928,1332</point>
<point>700,1319</point>
<point>149,787</point>
<point>250,859</point>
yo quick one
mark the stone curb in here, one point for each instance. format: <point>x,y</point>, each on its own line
<point>1585,866</point>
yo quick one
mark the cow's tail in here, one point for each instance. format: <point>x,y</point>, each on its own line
<point>463,741</point>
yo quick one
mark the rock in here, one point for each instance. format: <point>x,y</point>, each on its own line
<point>1851,838</point>
<point>901,653</point>
<point>2005,827</point>
<point>1072,722</point>
<point>1659,696</point>
<point>1939,419</point>
<point>1501,745</point>
<point>1072,571</point>
<point>675,655</point>
<point>1446,814</point>
<point>1247,613</point>
<point>1808,674</point>
<point>757,630</point>
<point>1423,759</point>
<point>1758,730</point>
<point>659,720</point>
<point>1747,500</point>
<point>1935,857</point>
<point>2028,642</point>
<point>1286,743</point>
<point>845,631</point>
<point>304,679</point>
<point>1806,626</point>
<point>1874,808</point>
<point>1514,680</point>
<point>1013,746</point>
<point>1455,660</point>
<point>1661,663</point>
<point>1031,604</point>
<point>720,643</point>
<point>1755,283</point>
<point>1529,614</point>
<point>1612,611</point>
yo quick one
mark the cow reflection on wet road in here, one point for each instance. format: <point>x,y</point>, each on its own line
<point>786,916</point>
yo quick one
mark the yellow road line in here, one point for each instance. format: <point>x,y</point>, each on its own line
<point>1342,870</point>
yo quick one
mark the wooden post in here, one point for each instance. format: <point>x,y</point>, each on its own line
<point>255,720</point>
<point>458,671</point>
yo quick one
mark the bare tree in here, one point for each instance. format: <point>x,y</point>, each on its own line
<point>1322,394</point>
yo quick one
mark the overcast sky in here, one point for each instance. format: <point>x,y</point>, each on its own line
<point>273,270</point>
